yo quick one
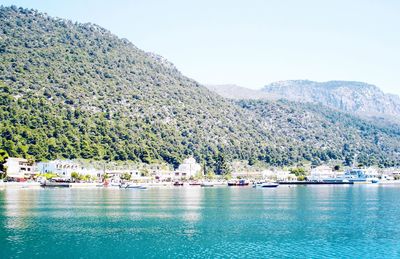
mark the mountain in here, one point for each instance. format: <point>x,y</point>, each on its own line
<point>71,90</point>
<point>236,92</point>
<point>76,90</point>
<point>354,97</point>
<point>357,98</point>
<point>318,133</point>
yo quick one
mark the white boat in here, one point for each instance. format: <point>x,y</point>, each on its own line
<point>133,186</point>
<point>207,184</point>
<point>265,185</point>
<point>356,176</point>
<point>113,185</point>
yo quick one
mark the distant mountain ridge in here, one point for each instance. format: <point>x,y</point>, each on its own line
<point>348,96</point>
<point>357,98</point>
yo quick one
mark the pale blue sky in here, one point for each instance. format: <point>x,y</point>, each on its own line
<point>252,43</point>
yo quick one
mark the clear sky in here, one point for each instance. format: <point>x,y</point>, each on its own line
<point>252,43</point>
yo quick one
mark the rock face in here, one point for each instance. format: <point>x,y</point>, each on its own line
<point>353,97</point>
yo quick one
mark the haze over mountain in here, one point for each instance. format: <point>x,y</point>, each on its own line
<point>71,90</point>
<point>354,97</point>
<point>357,98</point>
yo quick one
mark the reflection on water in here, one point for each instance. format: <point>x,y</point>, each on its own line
<point>302,221</point>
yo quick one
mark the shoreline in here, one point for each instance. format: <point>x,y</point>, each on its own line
<point>169,185</point>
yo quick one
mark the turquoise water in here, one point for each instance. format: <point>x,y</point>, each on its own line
<point>304,222</point>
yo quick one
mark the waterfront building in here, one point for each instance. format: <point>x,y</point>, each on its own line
<point>189,168</point>
<point>321,173</point>
<point>165,175</point>
<point>389,173</point>
<point>19,168</point>
<point>64,168</point>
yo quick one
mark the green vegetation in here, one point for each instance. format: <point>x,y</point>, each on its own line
<point>70,90</point>
<point>298,171</point>
<point>76,91</point>
<point>3,158</point>
<point>308,132</point>
<point>126,176</point>
<point>49,176</point>
<point>80,177</point>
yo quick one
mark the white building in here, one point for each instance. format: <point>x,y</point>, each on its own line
<point>64,168</point>
<point>321,173</point>
<point>19,168</point>
<point>189,168</point>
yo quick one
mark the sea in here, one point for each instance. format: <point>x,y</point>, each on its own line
<point>349,221</point>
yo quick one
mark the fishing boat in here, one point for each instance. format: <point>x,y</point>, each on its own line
<point>178,183</point>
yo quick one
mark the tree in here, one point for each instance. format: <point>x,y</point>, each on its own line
<point>301,178</point>
<point>3,158</point>
<point>298,171</point>
<point>74,176</point>
<point>126,176</point>
<point>222,166</point>
<point>252,161</point>
<point>144,172</point>
<point>210,175</point>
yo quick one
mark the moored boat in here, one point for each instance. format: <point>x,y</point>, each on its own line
<point>355,176</point>
<point>56,182</point>
<point>135,186</point>
<point>112,185</point>
<point>207,184</point>
<point>265,185</point>
<point>240,182</point>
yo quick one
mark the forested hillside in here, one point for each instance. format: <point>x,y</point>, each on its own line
<point>71,90</point>
<point>75,90</point>
<point>321,134</point>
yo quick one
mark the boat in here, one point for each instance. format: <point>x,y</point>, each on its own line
<point>134,186</point>
<point>241,182</point>
<point>207,184</point>
<point>56,182</point>
<point>178,183</point>
<point>194,183</point>
<point>355,176</point>
<point>112,184</point>
<point>265,185</point>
